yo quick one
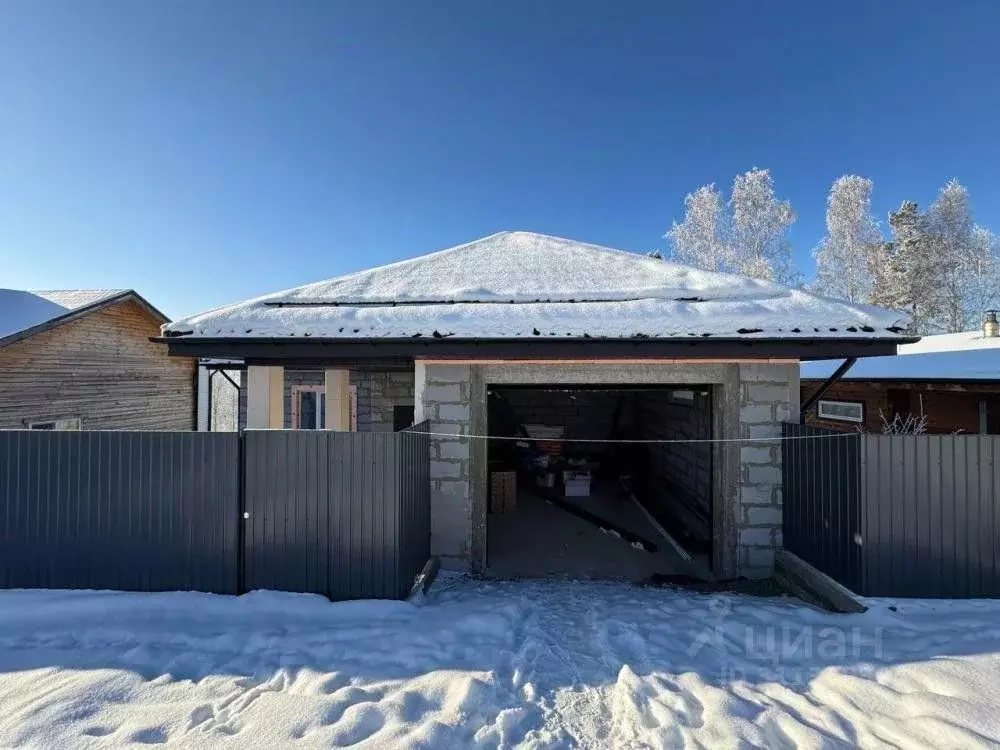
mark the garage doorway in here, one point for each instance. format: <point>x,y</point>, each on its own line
<point>568,496</point>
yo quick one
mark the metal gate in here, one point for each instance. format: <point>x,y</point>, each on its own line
<point>346,515</point>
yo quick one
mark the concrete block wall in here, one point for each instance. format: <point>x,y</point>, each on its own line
<point>585,414</point>
<point>378,394</point>
<point>768,396</point>
<point>680,473</point>
<point>445,399</point>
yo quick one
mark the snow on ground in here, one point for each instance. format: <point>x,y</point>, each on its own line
<point>487,664</point>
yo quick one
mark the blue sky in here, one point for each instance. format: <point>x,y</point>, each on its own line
<point>203,153</point>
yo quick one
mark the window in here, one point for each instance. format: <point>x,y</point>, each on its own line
<point>309,407</point>
<point>56,424</point>
<point>312,410</point>
<point>841,411</point>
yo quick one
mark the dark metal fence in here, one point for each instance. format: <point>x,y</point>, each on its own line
<point>141,511</point>
<point>341,514</point>
<point>895,515</point>
<point>335,513</point>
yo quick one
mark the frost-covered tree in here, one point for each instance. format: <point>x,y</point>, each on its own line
<point>914,275</point>
<point>759,223</point>
<point>852,248</point>
<point>949,221</point>
<point>699,240</point>
<point>982,268</point>
<point>747,236</point>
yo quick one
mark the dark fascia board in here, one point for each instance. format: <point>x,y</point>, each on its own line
<point>71,315</point>
<point>934,381</point>
<point>320,350</point>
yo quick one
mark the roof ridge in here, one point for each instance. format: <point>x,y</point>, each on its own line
<point>80,289</point>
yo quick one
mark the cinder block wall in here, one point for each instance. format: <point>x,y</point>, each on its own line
<point>444,397</point>
<point>768,395</point>
<point>680,481</point>
<point>585,414</point>
<point>378,393</point>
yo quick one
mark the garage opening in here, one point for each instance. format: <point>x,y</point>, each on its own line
<point>570,496</point>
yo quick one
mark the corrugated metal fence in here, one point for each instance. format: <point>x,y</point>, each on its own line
<point>144,511</point>
<point>341,514</point>
<point>895,515</point>
<point>336,513</point>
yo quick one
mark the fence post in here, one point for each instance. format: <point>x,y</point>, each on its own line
<point>241,507</point>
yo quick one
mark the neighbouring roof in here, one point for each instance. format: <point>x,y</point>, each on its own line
<point>25,313</point>
<point>952,356</point>
<point>523,285</point>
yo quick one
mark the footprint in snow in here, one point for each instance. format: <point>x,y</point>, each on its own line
<point>150,736</point>
<point>334,683</point>
<point>361,725</point>
<point>346,699</point>
<point>99,731</point>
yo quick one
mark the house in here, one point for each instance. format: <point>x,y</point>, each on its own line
<point>953,380</point>
<point>524,335</point>
<point>82,359</point>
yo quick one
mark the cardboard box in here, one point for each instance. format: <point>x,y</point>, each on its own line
<point>503,491</point>
<point>576,483</point>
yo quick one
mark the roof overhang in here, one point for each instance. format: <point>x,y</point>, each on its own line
<point>79,312</point>
<point>305,350</point>
<point>903,380</point>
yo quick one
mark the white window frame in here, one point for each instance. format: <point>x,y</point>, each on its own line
<point>70,423</point>
<point>860,405</point>
<point>297,390</point>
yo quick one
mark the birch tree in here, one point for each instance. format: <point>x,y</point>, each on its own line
<point>699,240</point>
<point>759,229</point>
<point>851,254</point>
<point>949,221</point>
<point>747,236</point>
<point>982,266</point>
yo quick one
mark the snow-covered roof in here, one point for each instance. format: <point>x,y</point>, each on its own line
<point>22,310</point>
<point>74,299</point>
<point>522,285</point>
<point>952,356</point>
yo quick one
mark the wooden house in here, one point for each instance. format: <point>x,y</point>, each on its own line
<point>83,360</point>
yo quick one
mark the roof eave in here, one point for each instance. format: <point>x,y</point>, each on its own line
<point>301,347</point>
<point>910,379</point>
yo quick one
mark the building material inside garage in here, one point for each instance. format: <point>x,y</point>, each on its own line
<point>566,498</point>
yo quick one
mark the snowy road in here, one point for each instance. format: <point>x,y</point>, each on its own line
<point>477,664</point>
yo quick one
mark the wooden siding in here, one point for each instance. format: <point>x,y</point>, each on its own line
<point>101,368</point>
<point>950,407</point>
